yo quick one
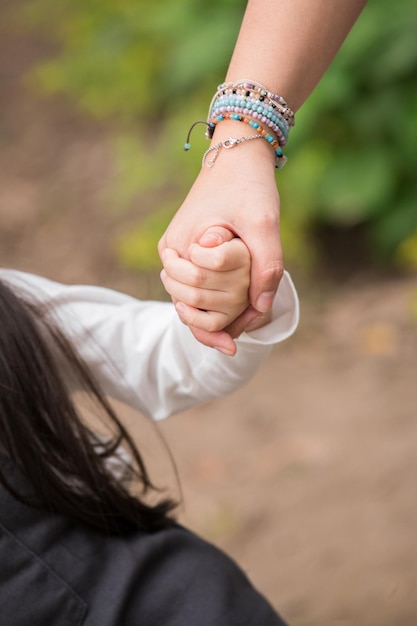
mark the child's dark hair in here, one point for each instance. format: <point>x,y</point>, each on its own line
<point>47,440</point>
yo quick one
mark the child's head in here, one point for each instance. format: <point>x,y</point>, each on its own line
<point>46,439</point>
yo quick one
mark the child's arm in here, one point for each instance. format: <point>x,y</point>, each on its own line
<point>142,354</point>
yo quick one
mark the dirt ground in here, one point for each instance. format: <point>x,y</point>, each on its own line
<point>307,476</point>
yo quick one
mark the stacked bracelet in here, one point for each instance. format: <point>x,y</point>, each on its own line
<point>256,91</point>
<point>251,103</point>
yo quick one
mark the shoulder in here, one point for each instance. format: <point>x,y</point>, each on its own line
<point>203,585</point>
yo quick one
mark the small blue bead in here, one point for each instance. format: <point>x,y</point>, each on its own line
<point>187,146</point>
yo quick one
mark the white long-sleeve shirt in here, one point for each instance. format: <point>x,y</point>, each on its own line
<point>142,354</point>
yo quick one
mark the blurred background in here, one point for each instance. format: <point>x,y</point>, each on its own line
<point>306,476</point>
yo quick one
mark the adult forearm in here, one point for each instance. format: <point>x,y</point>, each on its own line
<point>288,44</point>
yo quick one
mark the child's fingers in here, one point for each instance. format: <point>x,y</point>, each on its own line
<point>223,258</point>
<point>188,273</point>
<point>184,271</point>
<point>209,299</point>
<point>210,321</point>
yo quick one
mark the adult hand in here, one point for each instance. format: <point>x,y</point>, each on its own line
<point>239,193</point>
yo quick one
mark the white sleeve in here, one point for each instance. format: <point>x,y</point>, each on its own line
<point>141,353</point>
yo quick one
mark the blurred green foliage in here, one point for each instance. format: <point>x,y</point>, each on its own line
<point>361,127</point>
<point>152,67</point>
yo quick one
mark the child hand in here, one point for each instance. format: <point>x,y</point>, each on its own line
<point>211,289</point>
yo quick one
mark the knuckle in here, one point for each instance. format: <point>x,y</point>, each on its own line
<point>271,219</point>
<point>219,258</point>
<point>214,324</point>
<point>199,276</point>
<point>273,274</point>
<point>276,271</point>
<point>195,299</point>
<point>267,221</point>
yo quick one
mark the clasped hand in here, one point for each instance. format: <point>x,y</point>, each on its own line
<point>210,290</point>
<point>226,283</point>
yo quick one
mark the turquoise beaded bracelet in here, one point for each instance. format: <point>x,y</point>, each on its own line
<point>250,88</point>
<point>260,113</point>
